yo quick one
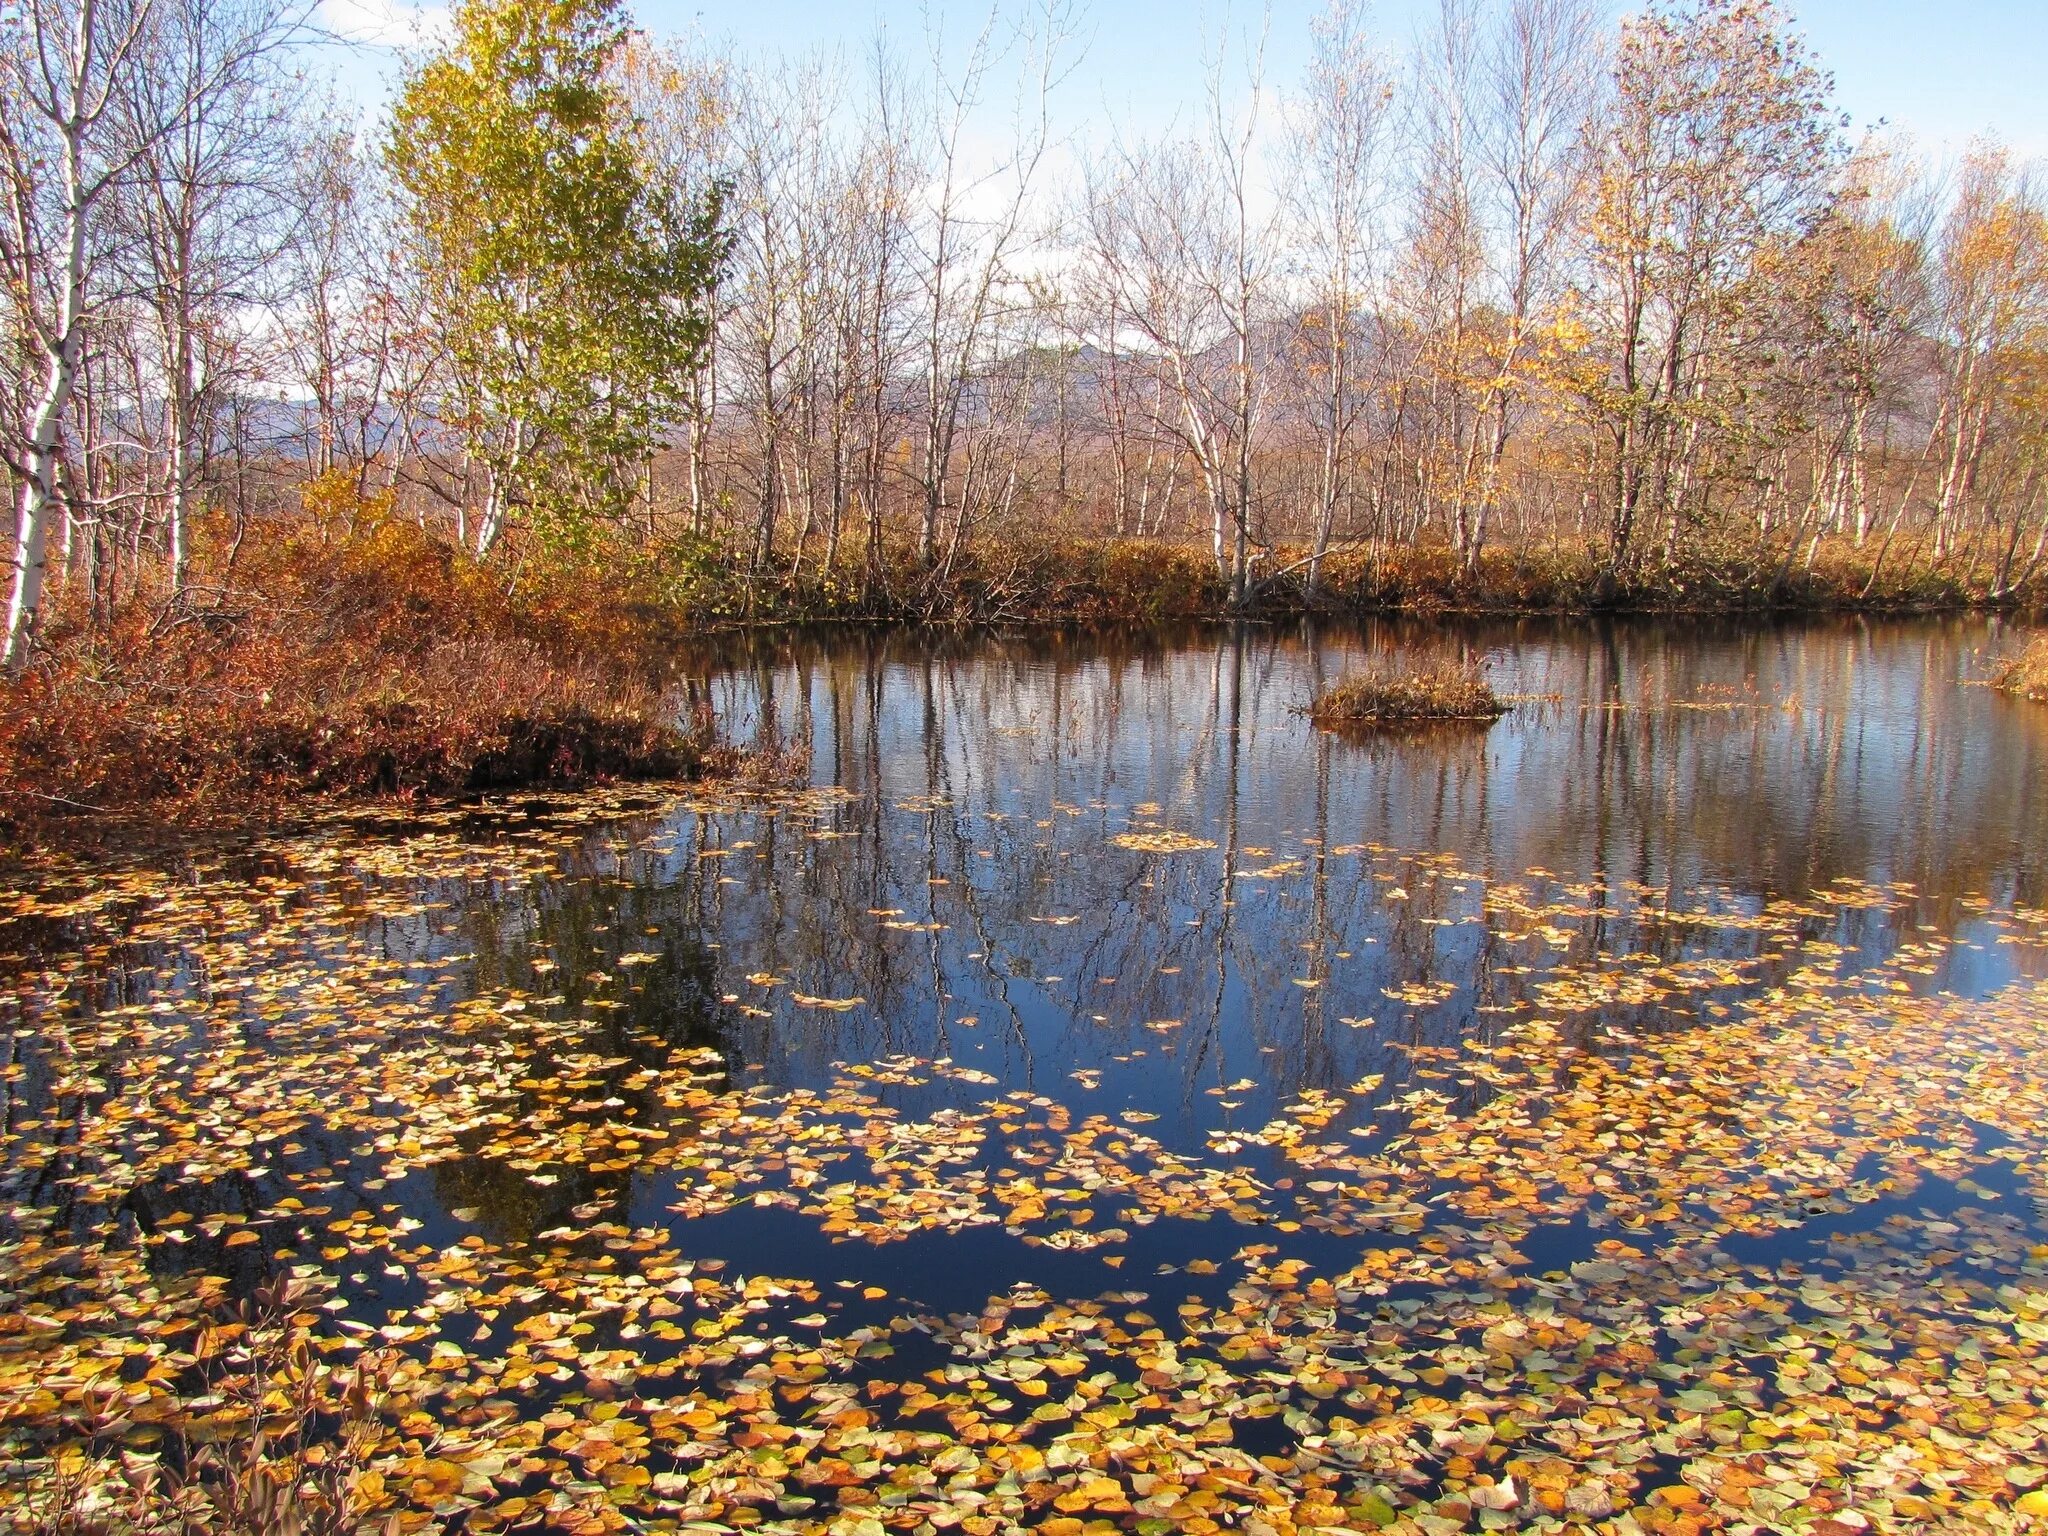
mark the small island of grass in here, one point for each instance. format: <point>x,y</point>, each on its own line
<point>1452,691</point>
<point>2025,675</point>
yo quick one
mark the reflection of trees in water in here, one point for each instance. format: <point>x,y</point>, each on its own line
<point>988,777</point>
<point>1884,769</point>
<point>628,1029</point>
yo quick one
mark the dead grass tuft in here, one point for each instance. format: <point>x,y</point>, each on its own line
<point>2026,674</point>
<point>1452,691</point>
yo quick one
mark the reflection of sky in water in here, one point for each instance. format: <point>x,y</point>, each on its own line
<point>968,891</point>
<point>1368,907</point>
<point>1773,759</point>
<point>1590,1071</point>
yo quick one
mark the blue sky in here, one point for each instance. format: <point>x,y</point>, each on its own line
<point>1941,73</point>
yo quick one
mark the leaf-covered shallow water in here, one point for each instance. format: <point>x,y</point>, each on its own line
<point>1104,1099</point>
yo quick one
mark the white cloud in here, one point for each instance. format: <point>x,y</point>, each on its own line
<point>385,23</point>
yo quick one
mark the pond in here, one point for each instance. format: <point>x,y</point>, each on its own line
<point>1102,1097</point>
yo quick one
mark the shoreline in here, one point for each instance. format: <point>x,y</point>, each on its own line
<point>433,686</point>
<point>1048,581</point>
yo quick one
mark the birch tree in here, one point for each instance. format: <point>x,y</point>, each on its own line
<point>1991,277</point>
<point>212,128</point>
<point>1180,248</point>
<point>569,288</point>
<point>1342,139</point>
<point>968,237</point>
<point>1538,88</point>
<point>345,336</point>
<point>1715,161</point>
<point>685,107</point>
<point>74,128</point>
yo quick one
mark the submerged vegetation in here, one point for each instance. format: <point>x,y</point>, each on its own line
<point>1445,691</point>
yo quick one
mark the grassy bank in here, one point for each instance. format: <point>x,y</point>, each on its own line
<point>381,662</point>
<point>1039,579</point>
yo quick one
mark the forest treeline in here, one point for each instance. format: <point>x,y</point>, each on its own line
<point>593,332</point>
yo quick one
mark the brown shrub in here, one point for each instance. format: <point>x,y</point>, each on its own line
<point>371,659</point>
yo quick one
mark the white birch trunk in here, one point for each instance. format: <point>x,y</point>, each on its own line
<point>38,494</point>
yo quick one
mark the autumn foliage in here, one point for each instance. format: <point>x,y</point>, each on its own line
<point>341,648</point>
<point>2027,673</point>
<point>498,1069</point>
<point>330,655</point>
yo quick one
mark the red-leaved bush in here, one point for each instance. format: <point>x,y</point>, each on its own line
<point>375,659</point>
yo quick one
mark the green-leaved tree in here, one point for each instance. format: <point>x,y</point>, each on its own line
<point>567,285</point>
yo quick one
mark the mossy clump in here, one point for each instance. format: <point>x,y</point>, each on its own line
<point>2025,674</point>
<point>1448,692</point>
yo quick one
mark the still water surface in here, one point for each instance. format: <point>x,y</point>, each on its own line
<point>1053,891</point>
<point>961,896</point>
